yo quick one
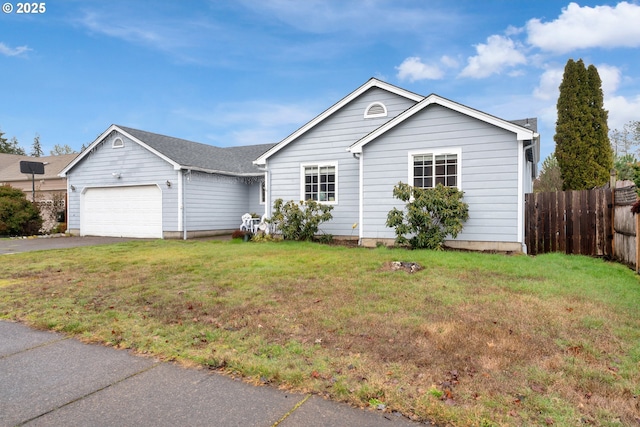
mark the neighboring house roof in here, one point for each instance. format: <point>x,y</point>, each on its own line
<point>10,166</point>
<point>522,132</point>
<point>184,154</point>
<point>8,159</point>
<point>373,82</point>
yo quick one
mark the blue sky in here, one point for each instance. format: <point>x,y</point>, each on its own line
<point>252,71</point>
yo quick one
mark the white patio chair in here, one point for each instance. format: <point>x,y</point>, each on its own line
<point>263,225</point>
<point>247,223</point>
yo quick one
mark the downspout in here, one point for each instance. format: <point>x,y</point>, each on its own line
<point>534,142</point>
<point>267,191</point>
<point>358,156</point>
<point>180,200</point>
<point>184,206</point>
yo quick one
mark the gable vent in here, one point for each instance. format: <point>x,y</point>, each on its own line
<point>376,109</point>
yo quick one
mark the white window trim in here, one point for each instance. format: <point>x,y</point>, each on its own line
<point>371,116</point>
<point>319,165</point>
<point>263,195</point>
<point>114,145</point>
<point>436,152</point>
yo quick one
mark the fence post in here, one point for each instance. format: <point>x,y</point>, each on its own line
<point>612,185</point>
<point>637,242</point>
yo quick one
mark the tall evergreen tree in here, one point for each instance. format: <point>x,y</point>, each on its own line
<point>583,150</point>
<point>36,148</point>
<point>11,146</point>
<point>549,178</point>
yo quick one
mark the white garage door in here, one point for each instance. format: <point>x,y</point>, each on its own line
<point>122,212</point>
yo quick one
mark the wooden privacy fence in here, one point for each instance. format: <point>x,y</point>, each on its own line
<point>625,242</point>
<point>596,222</point>
<point>574,222</point>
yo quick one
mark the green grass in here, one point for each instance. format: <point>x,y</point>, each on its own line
<point>473,339</point>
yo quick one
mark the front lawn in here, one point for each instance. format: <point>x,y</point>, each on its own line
<point>472,339</point>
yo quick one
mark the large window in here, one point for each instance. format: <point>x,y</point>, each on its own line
<point>428,169</point>
<point>319,183</point>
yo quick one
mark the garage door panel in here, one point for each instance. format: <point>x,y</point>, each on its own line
<point>122,212</point>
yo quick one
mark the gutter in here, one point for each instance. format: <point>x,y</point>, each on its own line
<point>220,172</point>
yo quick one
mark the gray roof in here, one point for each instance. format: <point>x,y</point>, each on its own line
<point>189,154</point>
<point>530,123</point>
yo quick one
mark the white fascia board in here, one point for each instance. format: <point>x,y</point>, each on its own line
<point>373,82</point>
<point>522,133</point>
<point>103,135</point>
<point>63,172</point>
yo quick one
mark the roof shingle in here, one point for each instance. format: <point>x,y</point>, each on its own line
<point>232,160</point>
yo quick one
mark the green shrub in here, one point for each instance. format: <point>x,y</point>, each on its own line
<point>431,215</point>
<point>261,236</point>
<point>18,216</point>
<point>299,221</point>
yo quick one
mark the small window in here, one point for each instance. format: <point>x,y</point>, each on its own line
<point>263,192</point>
<point>430,169</point>
<point>375,109</point>
<point>319,183</point>
<point>118,143</point>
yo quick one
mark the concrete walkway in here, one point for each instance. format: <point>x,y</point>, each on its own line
<point>48,379</point>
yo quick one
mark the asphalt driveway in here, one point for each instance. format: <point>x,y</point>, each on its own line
<point>14,246</point>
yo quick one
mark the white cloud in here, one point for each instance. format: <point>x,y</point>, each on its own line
<point>513,31</point>
<point>493,57</point>
<point>621,110</point>
<point>13,51</point>
<point>120,29</point>
<point>449,62</point>
<point>259,122</point>
<point>588,27</point>
<point>610,77</point>
<point>358,17</point>
<point>414,69</point>
<point>178,37</point>
<point>549,83</point>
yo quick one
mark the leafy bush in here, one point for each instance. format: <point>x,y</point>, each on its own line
<point>18,216</point>
<point>299,221</point>
<point>431,215</point>
<point>261,236</point>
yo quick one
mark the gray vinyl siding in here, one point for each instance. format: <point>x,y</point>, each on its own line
<point>328,142</point>
<point>136,165</point>
<point>254,205</point>
<point>489,172</point>
<point>215,202</point>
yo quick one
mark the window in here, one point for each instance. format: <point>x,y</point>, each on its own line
<point>117,143</point>
<point>375,109</point>
<point>439,167</point>
<point>263,192</point>
<point>319,183</point>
